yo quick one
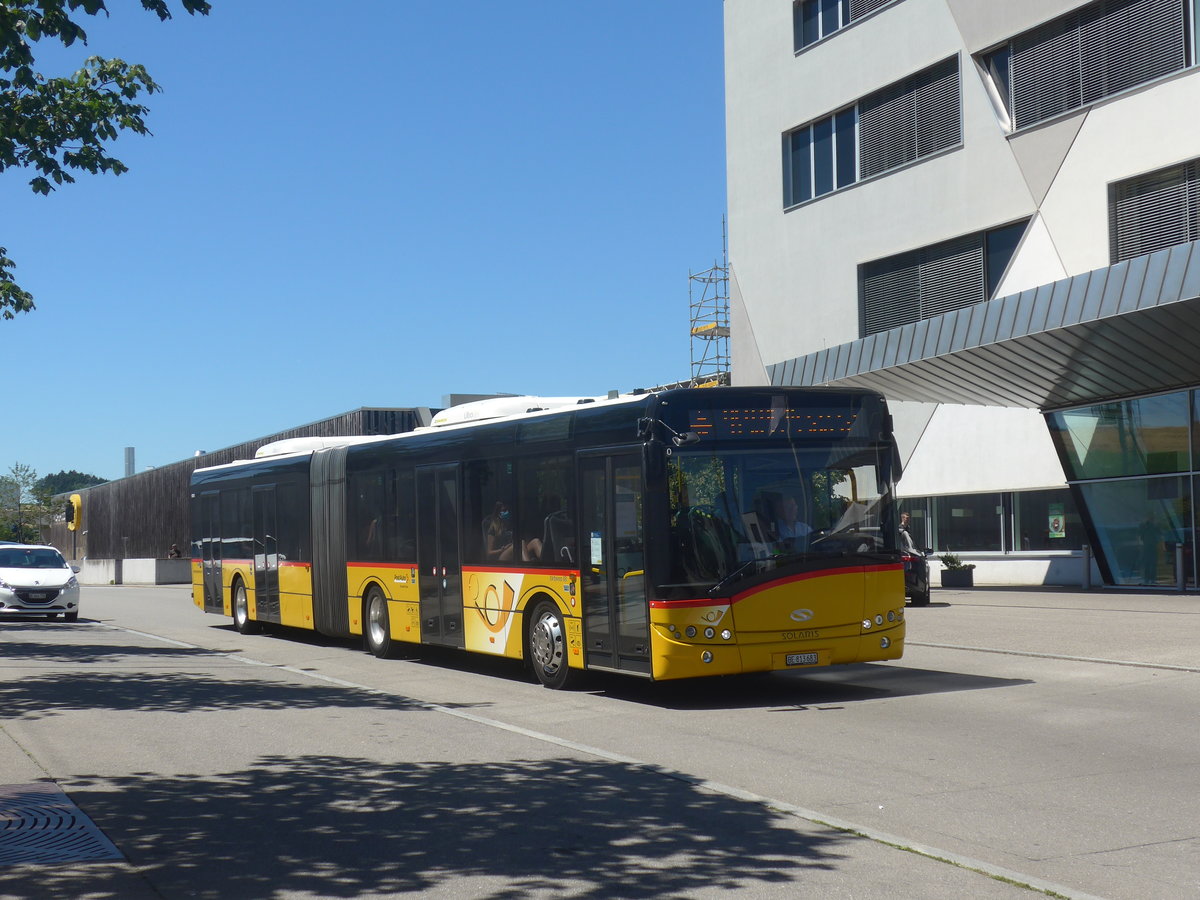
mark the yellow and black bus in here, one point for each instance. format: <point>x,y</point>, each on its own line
<point>666,535</point>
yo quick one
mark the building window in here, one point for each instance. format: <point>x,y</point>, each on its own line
<point>906,121</point>
<point>1154,211</point>
<point>930,281</point>
<point>814,20</point>
<point>1012,522</point>
<point>1094,52</point>
<point>1145,436</point>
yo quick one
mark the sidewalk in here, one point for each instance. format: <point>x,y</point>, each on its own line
<point>1138,627</point>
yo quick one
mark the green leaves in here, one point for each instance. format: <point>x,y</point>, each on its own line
<point>55,125</point>
<point>12,299</point>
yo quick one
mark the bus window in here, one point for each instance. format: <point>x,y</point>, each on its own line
<point>546,519</point>
<point>488,521</point>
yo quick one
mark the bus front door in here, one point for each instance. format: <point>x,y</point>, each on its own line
<point>210,551</point>
<point>266,555</point>
<point>615,614</point>
<point>440,577</point>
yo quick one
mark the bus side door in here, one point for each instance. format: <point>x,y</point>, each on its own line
<point>210,551</point>
<point>440,566</point>
<point>266,555</point>
<point>613,576</point>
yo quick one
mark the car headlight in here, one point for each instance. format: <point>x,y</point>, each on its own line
<point>72,582</point>
<point>4,584</point>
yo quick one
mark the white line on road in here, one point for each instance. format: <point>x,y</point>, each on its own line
<point>1087,659</point>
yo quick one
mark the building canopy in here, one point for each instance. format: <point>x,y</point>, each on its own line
<point>1120,331</point>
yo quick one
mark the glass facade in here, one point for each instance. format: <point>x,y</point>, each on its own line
<point>1010,522</point>
<point>1133,465</point>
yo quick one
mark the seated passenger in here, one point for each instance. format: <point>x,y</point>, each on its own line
<point>497,533</point>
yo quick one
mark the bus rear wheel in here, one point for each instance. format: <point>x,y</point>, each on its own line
<point>547,646</point>
<point>241,611</point>
<point>377,626</point>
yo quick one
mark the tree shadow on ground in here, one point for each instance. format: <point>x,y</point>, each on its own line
<point>344,827</point>
<point>184,692</point>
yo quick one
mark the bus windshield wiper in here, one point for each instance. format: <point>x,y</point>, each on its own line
<point>734,575</point>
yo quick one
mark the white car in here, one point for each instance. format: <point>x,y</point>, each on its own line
<point>36,579</point>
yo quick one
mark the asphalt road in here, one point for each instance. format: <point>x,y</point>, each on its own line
<point>1029,740</point>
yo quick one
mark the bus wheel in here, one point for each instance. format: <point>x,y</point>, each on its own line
<point>548,646</point>
<point>378,627</point>
<point>241,611</point>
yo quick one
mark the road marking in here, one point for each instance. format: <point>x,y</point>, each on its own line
<point>800,812</point>
<point>1089,659</point>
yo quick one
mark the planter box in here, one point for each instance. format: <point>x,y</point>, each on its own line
<point>958,578</point>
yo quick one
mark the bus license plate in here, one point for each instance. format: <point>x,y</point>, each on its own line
<point>801,659</point>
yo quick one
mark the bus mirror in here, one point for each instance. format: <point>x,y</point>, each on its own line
<point>686,438</point>
<point>645,427</point>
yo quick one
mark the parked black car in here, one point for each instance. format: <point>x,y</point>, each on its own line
<point>916,577</point>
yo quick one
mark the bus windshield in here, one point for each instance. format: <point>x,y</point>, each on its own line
<point>735,513</point>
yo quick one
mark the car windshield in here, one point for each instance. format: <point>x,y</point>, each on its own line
<point>31,558</point>
<point>734,513</point>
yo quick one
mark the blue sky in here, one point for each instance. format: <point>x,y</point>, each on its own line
<point>366,204</point>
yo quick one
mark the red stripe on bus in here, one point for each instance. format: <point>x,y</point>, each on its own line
<point>378,565</point>
<point>758,589</point>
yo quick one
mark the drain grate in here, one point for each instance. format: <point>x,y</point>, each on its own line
<point>39,824</point>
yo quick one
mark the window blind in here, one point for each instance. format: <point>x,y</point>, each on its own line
<point>1094,52</point>
<point>913,118</point>
<point>1154,211</point>
<point>922,283</point>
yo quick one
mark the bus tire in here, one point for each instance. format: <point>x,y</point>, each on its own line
<point>546,646</point>
<point>377,625</point>
<point>241,610</point>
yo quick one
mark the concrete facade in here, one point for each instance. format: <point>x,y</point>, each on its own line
<point>795,271</point>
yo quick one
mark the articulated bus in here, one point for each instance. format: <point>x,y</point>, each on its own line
<point>667,535</point>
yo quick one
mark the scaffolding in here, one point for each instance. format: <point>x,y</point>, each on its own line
<point>708,298</point>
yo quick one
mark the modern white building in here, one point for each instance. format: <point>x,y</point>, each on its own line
<point>985,210</point>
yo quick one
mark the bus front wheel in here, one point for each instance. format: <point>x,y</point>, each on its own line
<point>241,611</point>
<point>377,626</point>
<point>547,646</point>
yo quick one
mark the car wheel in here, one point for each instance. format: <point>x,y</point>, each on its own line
<point>71,616</point>
<point>920,598</point>
<point>51,616</point>
<point>377,625</point>
<point>241,611</point>
<point>547,646</point>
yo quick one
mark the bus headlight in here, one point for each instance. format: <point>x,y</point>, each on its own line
<point>866,624</point>
<point>879,620</point>
<point>885,642</point>
<point>710,633</point>
<point>691,631</point>
<point>706,656</point>
<point>726,634</point>
<point>891,615</point>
